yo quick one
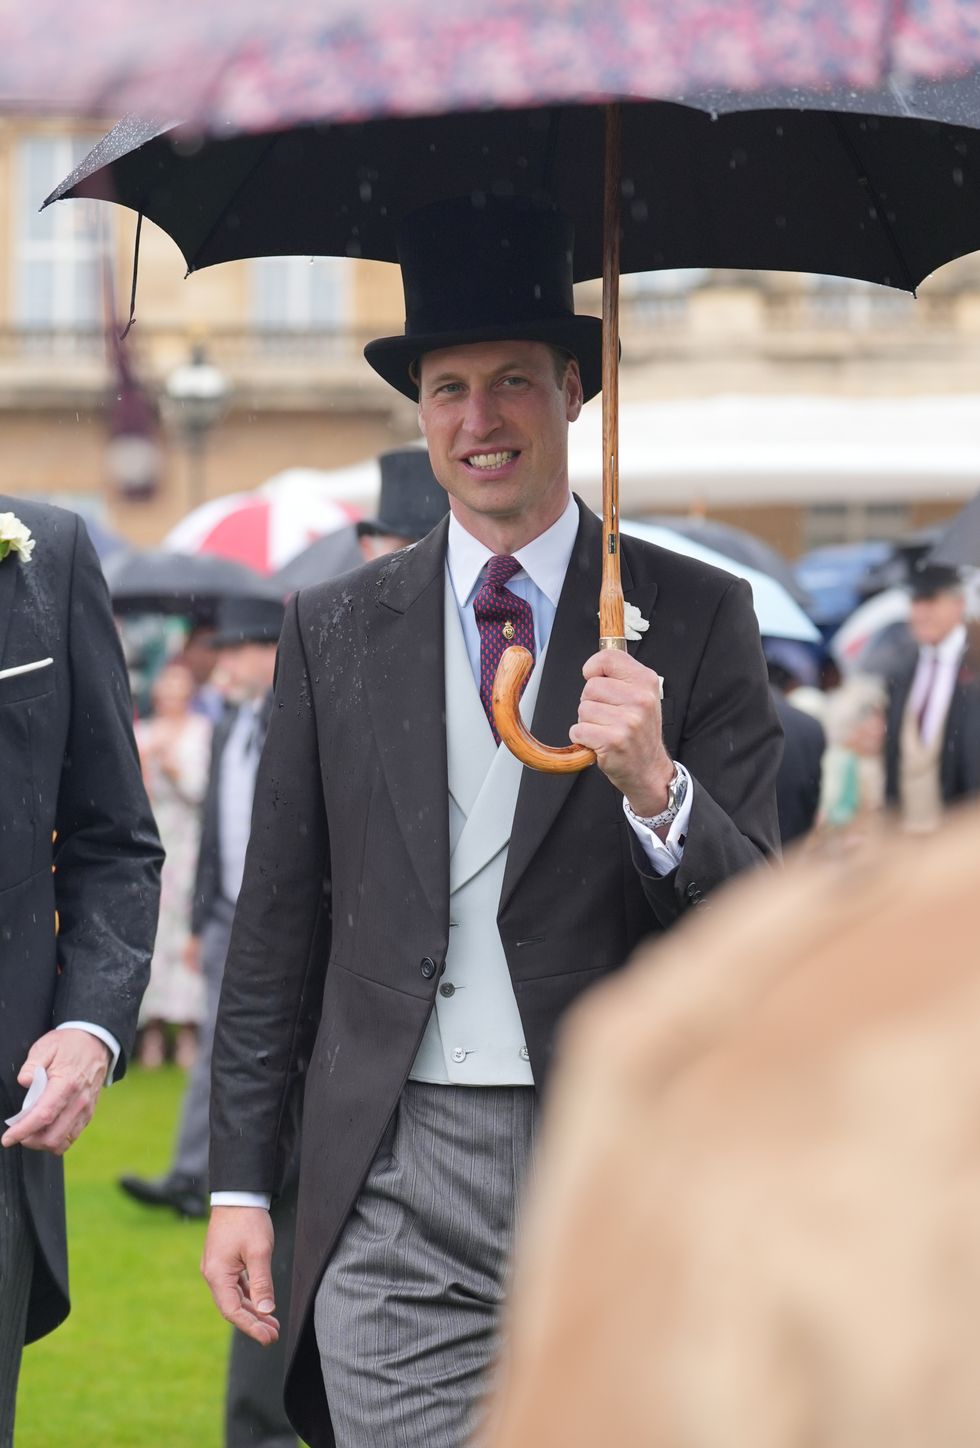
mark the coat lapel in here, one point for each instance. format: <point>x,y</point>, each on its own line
<point>574,637</point>
<point>491,820</point>
<point>470,745</point>
<point>405,677</point>
<point>9,569</point>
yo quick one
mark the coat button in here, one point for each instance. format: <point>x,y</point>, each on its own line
<point>448,989</point>
<point>459,1054</point>
<point>692,891</point>
<point>427,967</point>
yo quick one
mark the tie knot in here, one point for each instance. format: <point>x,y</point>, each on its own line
<point>500,568</point>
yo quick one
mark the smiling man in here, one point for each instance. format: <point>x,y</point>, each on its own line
<point>418,910</point>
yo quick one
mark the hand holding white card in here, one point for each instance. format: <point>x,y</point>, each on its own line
<point>34,1093</point>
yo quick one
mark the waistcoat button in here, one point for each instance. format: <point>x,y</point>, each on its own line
<point>459,1054</point>
<point>448,989</point>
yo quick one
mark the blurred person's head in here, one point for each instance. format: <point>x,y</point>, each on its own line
<point>410,504</point>
<point>753,1219</point>
<point>172,690</point>
<point>938,603</point>
<point>791,664</point>
<point>246,637</point>
<point>198,653</point>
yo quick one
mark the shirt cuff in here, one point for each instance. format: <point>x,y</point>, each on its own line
<point>101,1034</point>
<point>664,855</point>
<point>241,1199</point>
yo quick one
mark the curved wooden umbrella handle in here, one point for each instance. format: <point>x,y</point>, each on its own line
<point>512,673</point>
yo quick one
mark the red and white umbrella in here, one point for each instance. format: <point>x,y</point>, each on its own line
<point>267,527</point>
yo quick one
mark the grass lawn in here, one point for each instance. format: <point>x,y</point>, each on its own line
<point>141,1360</point>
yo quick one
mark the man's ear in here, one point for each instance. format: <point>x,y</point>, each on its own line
<point>574,395</point>
<point>421,420</point>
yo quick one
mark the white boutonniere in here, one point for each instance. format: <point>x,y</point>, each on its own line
<point>634,623</point>
<point>15,537</point>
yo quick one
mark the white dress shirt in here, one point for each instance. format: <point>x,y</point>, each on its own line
<point>935,676</point>
<point>544,563</point>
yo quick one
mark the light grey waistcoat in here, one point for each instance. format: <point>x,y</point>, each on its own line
<point>474,1036</point>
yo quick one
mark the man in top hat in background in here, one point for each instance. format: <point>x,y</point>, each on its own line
<point>410,504</point>
<point>471,900</point>
<point>932,743</point>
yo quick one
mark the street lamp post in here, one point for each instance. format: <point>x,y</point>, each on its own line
<point>198,393</point>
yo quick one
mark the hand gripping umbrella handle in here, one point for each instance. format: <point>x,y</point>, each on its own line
<point>512,673</point>
<point>516,663</point>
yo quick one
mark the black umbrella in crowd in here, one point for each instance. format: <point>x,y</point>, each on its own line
<point>327,557</point>
<point>741,546</point>
<point>157,581</point>
<point>958,545</point>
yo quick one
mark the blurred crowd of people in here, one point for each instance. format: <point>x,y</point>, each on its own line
<point>894,742</point>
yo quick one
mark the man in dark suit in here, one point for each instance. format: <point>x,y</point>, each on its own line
<point>790,666</point>
<point>245,640</point>
<point>79,878</point>
<point>932,741</point>
<point>471,900</point>
<point>246,636</point>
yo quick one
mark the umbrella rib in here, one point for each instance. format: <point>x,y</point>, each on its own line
<point>881,215</point>
<point>247,177</point>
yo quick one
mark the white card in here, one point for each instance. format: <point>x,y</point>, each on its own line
<point>34,1093</point>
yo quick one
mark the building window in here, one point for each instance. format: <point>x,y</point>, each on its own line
<point>661,296</point>
<point>844,302</point>
<point>60,252</point>
<point>829,523</point>
<point>300,294</point>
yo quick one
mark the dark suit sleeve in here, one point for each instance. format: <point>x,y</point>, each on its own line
<point>108,855</point>
<point>731,745</point>
<point>279,944</point>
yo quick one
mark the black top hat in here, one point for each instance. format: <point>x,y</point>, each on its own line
<point>928,579</point>
<point>411,502</point>
<point>248,621</point>
<point>487,270</point>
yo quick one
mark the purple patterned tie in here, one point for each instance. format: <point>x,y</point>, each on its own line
<point>503,619</point>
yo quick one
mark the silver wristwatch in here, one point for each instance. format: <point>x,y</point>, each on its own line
<point>676,791</point>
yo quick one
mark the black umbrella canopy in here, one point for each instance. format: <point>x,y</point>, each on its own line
<point>958,545</point>
<point>887,199</point>
<point>742,546</point>
<point>157,581</point>
<point>326,557</point>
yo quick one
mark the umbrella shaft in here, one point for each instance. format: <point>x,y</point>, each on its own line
<point>611,626</point>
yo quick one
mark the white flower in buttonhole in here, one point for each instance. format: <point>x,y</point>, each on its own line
<point>634,624</point>
<point>15,537</point>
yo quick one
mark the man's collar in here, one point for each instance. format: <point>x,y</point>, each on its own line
<point>948,650</point>
<point>544,559</point>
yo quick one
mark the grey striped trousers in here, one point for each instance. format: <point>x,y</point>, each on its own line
<point>406,1314</point>
<point>16,1271</point>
